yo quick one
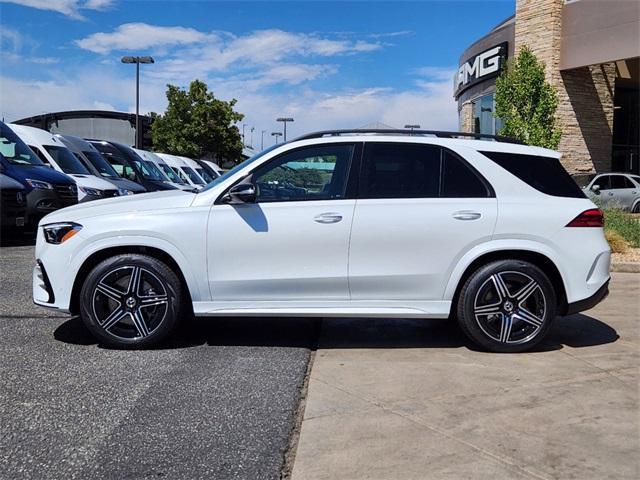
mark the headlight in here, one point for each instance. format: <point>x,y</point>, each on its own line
<point>58,233</point>
<point>91,191</point>
<point>39,184</point>
<point>124,191</point>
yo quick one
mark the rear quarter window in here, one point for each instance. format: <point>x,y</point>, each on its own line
<point>545,174</point>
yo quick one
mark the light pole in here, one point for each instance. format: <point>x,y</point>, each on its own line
<point>284,120</point>
<point>412,127</point>
<point>137,61</point>
<point>243,142</point>
<point>262,140</point>
<point>251,144</point>
<point>276,134</point>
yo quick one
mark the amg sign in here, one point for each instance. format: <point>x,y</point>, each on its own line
<point>480,67</point>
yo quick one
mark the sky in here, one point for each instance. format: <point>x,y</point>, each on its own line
<point>326,64</point>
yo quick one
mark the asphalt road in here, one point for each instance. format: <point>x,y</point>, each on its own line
<point>218,402</point>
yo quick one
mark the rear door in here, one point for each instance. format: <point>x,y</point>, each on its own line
<point>419,209</point>
<point>624,191</point>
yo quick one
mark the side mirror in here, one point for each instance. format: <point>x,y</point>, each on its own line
<point>241,193</point>
<point>595,189</point>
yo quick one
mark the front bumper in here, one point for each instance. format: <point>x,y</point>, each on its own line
<point>589,302</point>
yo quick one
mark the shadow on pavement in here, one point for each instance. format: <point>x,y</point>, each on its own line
<point>575,331</point>
<point>17,238</point>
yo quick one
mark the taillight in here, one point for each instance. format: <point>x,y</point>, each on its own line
<point>589,218</point>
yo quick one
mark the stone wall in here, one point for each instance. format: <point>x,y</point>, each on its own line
<point>466,117</point>
<point>585,110</point>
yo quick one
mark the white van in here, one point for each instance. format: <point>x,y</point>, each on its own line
<point>183,169</point>
<point>202,173</point>
<point>54,153</point>
<point>156,163</point>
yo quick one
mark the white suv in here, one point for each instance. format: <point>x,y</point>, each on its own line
<point>339,223</point>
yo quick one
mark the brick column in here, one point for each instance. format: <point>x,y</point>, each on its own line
<point>466,117</point>
<point>585,109</point>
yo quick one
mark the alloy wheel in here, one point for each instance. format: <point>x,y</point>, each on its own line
<point>130,302</point>
<point>510,307</point>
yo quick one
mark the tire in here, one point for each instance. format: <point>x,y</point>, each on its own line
<point>122,316</point>
<point>636,208</point>
<point>508,321</point>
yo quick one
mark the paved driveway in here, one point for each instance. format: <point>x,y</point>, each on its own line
<point>413,400</point>
<point>219,403</point>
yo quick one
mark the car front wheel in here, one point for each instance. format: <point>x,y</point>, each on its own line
<point>131,301</point>
<point>507,306</point>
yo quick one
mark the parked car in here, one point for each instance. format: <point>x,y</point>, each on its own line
<point>155,163</point>
<point>202,171</point>
<point>214,166</point>
<point>612,189</point>
<point>183,170</point>
<point>54,153</point>
<point>338,223</point>
<point>129,165</point>
<point>13,202</point>
<point>46,189</point>
<point>98,166</point>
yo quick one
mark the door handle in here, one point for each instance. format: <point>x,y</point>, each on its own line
<point>328,217</point>
<point>466,215</point>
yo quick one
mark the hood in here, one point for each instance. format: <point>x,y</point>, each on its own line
<point>154,201</point>
<point>126,184</point>
<point>91,181</point>
<point>37,172</point>
<point>7,183</point>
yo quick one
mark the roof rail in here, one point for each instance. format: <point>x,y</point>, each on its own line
<point>434,133</point>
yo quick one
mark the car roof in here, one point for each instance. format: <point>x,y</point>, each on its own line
<point>35,135</point>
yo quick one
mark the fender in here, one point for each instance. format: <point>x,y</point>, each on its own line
<point>199,291</point>
<point>528,245</point>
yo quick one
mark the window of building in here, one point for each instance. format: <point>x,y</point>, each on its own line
<point>483,120</point>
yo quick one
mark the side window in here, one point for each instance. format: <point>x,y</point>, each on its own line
<point>604,182</point>
<point>618,182</point>
<point>40,155</point>
<point>400,170</point>
<point>312,173</point>
<point>459,180</point>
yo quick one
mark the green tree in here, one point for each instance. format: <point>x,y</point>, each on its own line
<point>526,102</point>
<point>196,124</point>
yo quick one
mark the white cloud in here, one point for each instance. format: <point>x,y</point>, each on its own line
<point>140,36</point>
<point>18,48</point>
<point>69,8</point>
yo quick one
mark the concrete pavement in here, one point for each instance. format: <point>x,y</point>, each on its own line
<point>412,399</point>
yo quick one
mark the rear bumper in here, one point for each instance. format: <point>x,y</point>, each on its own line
<point>589,302</point>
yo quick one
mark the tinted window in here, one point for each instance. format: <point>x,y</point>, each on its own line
<point>400,170</point>
<point>314,173</point>
<point>604,182</point>
<point>459,180</point>
<point>545,174</point>
<point>98,161</point>
<point>67,162</point>
<point>171,174</point>
<point>193,176</point>
<point>619,181</point>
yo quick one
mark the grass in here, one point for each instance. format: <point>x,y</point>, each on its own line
<point>618,223</point>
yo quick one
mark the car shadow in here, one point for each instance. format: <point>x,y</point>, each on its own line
<point>575,331</point>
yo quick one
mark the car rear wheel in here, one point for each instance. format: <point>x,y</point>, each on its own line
<point>507,306</point>
<point>131,301</point>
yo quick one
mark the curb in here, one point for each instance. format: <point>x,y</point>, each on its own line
<point>626,267</point>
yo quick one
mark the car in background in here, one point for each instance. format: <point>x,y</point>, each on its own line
<point>128,164</point>
<point>203,172</point>
<point>96,164</point>
<point>46,189</point>
<point>13,202</point>
<point>54,153</point>
<point>183,169</point>
<point>213,166</point>
<point>620,190</point>
<point>155,162</point>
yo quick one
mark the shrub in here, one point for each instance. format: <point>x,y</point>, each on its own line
<point>623,224</point>
<point>616,242</point>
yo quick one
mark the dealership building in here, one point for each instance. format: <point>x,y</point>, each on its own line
<point>591,50</point>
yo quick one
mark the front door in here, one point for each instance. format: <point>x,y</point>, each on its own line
<point>420,208</point>
<point>293,243</point>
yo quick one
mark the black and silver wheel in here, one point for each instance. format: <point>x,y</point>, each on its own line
<point>507,306</point>
<point>131,301</point>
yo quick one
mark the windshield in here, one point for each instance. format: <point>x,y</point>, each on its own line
<point>171,174</point>
<point>15,150</point>
<point>193,175</point>
<point>154,170</point>
<point>146,171</point>
<point>204,174</point>
<point>98,161</point>
<point>239,167</point>
<point>67,162</point>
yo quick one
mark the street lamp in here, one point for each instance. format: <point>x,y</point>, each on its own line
<point>137,61</point>
<point>262,140</point>
<point>412,127</point>
<point>243,142</point>
<point>284,120</point>
<point>251,143</point>
<point>276,134</point>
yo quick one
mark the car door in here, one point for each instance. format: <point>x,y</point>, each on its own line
<point>606,193</point>
<point>419,209</point>
<point>624,191</point>
<point>293,242</point>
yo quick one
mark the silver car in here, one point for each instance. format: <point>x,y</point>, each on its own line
<point>612,189</point>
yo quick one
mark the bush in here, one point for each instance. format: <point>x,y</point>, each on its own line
<point>616,242</point>
<point>623,224</point>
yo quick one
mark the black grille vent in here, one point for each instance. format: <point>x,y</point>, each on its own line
<point>66,191</point>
